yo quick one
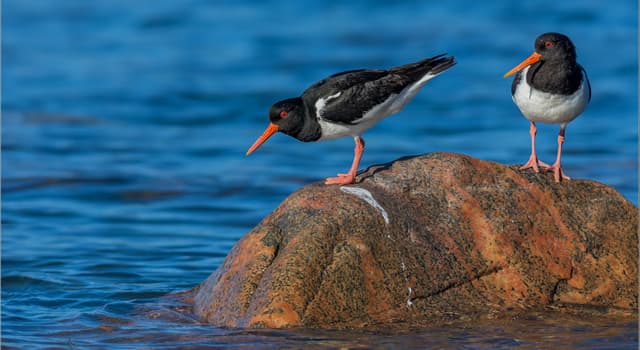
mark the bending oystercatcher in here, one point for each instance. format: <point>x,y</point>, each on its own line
<point>348,103</point>
<point>550,87</point>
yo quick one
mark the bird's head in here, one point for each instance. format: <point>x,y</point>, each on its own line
<point>548,47</point>
<point>284,116</point>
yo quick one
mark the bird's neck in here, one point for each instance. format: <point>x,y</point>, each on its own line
<point>560,77</point>
<point>310,128</point>
<point>302,123</point>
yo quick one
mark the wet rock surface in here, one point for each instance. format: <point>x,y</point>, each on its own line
<point>425,240</point>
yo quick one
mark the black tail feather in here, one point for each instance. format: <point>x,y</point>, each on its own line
<point>433,65</point>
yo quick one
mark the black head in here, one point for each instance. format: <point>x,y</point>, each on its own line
<point>284,116</point>
<point>287,115</point>
<point>555,47</point>
<point>549,47</point>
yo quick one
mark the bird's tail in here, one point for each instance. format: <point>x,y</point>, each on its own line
<point>434,66</point>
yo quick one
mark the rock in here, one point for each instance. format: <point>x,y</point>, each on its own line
<point>429,239</point>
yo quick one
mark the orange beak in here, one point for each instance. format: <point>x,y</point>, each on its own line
<point>535,57</point>
<point>271,129</point>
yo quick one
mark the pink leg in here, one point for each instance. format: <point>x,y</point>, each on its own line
<point>558,175</point>
<point>533,161</point>
<point>349,178</point>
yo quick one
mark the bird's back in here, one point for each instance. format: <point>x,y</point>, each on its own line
<point>347,96</point>
<point>340,82</point>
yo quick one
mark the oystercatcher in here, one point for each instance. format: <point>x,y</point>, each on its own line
<point>348,103</point>
<point>550,87</point>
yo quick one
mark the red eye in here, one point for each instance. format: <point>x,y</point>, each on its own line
<point>548,44</point>
<point>284,114</point>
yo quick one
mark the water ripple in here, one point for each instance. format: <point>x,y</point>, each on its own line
<point>124,128</point>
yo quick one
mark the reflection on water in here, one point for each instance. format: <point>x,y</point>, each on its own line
<point>124,128</point>
<point>169,325</point>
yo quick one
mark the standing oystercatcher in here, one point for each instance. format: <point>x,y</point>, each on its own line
<point>348,103</point>
<point>550,87</point>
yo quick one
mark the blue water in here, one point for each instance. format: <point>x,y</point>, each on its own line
<point>124,127</point>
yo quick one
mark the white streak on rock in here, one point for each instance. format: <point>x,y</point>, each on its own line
<point>367,197</point>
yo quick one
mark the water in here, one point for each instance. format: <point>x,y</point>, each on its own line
<point>124,128</point>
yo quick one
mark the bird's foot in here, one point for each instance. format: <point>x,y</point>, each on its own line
<point>341,179</point>
<point>558,174</point>
<point>535,163</point>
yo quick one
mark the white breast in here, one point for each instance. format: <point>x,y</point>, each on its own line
<point>550,108</point>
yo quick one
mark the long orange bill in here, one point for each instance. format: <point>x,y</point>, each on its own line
<point>271,129</point>
<point>535,57</point>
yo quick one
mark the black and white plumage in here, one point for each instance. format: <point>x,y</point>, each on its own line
<point>550,87</point>
<point>348,103</point>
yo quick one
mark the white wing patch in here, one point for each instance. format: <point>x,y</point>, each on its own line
<point>323,102</point>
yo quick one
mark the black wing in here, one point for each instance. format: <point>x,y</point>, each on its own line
<point>349,95</point>
<point>515,82</point>
<point>584,72</point>
<point>352,104</point>
<point>364,90</point>
<point>340,82</point>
